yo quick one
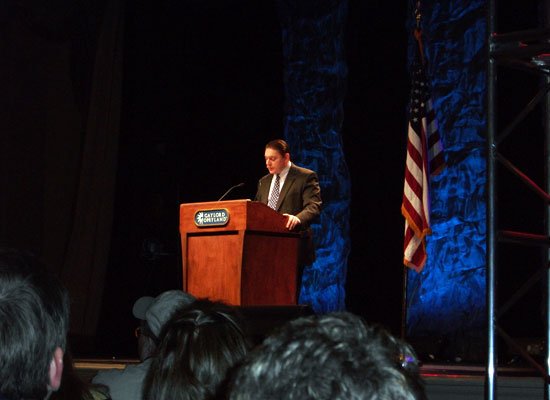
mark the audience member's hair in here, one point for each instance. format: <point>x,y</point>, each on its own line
<point>198,347</point>
<point>333,357</point>
<point>34,313</point>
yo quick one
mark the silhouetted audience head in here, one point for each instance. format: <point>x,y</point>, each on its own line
<point>333,357</point>
<point>34,319</point>
<point>198,347</point>
<point>153,313</point>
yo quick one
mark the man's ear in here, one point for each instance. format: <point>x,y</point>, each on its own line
<point>56,369</point>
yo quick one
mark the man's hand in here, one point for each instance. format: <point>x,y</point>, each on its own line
<point>292,222</point>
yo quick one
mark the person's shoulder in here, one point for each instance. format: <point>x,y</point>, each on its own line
<point>124,384</point>
<point>106,375</point>
<point>131,370</point>
<point>301,170</point>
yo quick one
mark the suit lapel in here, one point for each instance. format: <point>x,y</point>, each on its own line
<point>286,187</point>
<point>264,189</point>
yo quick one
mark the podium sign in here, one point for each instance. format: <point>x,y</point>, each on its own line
<point>240,252</point>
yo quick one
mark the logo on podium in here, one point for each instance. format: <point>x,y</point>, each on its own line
<point>211,218</point>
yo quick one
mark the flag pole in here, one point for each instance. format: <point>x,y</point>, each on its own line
<point>404,305</point>
<point>418,37</point>
<point>418,31</point>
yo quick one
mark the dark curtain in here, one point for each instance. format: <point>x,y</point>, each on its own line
<point>60,114</point>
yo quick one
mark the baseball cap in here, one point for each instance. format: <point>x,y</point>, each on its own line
<point>158,310</point>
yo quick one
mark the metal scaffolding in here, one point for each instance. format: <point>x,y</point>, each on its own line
<point>526,51</point>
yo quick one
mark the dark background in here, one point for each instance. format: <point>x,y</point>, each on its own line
<point>202,94</point>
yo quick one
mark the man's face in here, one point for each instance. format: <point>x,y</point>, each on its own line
<point>146,343</point>
<point>274,161</point>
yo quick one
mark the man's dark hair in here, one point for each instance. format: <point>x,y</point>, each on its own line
<point>280,145</point>
<point>334,356</point>
<point>34,319</point>
<point>198,347</point>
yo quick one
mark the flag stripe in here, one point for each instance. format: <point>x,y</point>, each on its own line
<point>424,157</point>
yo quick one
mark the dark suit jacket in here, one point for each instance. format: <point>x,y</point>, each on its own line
<point>300,196</point>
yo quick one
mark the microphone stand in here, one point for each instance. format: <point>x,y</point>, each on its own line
<point>230,189</point>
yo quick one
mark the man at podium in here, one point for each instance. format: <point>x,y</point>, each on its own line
<point>292,191</point>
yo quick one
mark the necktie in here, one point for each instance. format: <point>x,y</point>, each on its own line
<point>274,193</point>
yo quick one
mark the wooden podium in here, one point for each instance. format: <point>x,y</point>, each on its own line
<point>240,252</point>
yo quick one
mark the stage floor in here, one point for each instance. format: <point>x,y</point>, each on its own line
<point>443,381</point>
<point>454,382</point>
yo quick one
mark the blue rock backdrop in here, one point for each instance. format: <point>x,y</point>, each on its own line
<point>446,301</point>
<point>315,78</point>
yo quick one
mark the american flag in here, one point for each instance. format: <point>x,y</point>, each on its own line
<point>424,158</point>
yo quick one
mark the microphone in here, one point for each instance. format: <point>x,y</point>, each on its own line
<point>230,189</point>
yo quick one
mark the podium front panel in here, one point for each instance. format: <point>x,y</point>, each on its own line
<point>216,266</point>
<point>269,272</point>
